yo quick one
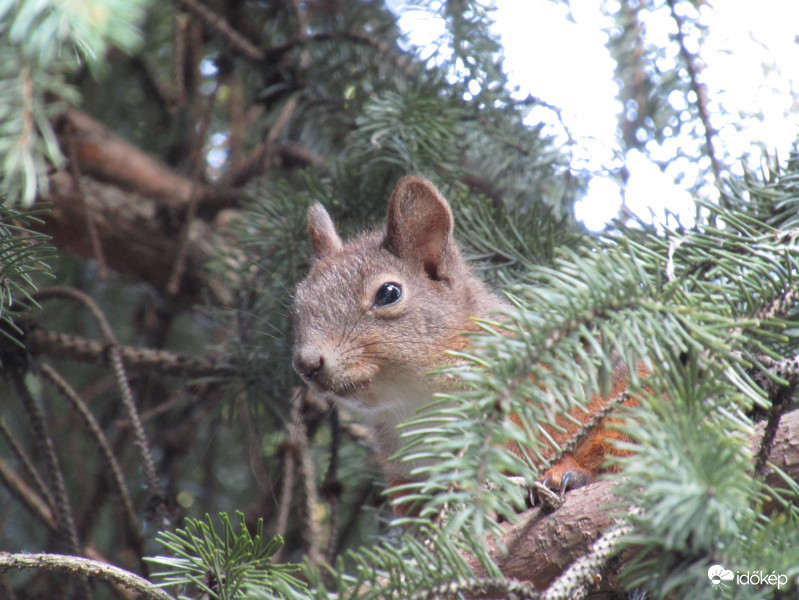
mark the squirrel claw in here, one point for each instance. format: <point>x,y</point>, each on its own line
<point>549,492</point>
<point>542,495</point>
<point>573,479</point>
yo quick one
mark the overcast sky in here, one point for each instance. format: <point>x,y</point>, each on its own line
<point>752,67</point>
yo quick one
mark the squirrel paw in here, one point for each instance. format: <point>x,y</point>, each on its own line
<point>566,475</point>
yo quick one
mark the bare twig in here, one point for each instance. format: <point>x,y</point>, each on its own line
<point>91,227</point>
<point>331,487</point>
<point>298,456</point>
<point>156,490</point>
<point>82,566</point>
<point>197,161</point>
<point>61,506</point>
<point>27,464</point>
<point>105,449</point>
<point>179,23</point>
<point>219,24</point>
<point>700,89</point>
<point>36,505</point>
<point>311,532</point>
<point>286,493</point>
<point>52,343</point>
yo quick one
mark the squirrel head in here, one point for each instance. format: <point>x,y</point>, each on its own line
<point>388,305</point>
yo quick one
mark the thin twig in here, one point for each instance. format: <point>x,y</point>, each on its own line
<point>53,343</point>
<point>219,24</point>
<point>27,464</point>
<point>36,505</point>
<point>155,489</point>
<point>91,227</point>
<point>331,487</point>
<point>83,566</point>
<point>300,444</point>
<point>286,492</point>
<point>179,25</point>
<point>700,89</point>
<point>197,160</point>
<point>117,477</point>
<point>62,509</point>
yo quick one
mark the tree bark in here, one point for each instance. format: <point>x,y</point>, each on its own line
<point>139,207</point>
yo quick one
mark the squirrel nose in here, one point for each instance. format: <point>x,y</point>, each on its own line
<point>309,367</point>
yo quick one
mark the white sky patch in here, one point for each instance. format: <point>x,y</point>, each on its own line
<point>752,72</point>
<point>563,63</point>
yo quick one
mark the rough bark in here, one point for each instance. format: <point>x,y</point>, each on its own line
<point>139,237</point>
<point>148,217</point>
<point>540,546</point>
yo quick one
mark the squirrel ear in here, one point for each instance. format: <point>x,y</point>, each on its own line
<point>324,239</point>
<point>420,226</point>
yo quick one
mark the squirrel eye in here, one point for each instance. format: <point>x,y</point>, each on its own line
<point>388,293</point>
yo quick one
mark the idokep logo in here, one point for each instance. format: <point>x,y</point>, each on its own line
<point>718,575</point>
<point>722,578</point>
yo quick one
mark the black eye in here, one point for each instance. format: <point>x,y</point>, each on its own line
<point>388,293</point>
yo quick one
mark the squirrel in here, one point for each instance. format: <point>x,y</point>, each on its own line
<point>374,316</point>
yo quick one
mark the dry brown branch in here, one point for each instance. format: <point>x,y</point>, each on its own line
<point>116,475</point>
<point>41,342</point>
<point>106,156</point>
<point>137,235</point>
<point>137,205</point>
<point>141,442</point>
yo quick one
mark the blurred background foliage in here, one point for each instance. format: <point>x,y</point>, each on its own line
<point>183,233</point>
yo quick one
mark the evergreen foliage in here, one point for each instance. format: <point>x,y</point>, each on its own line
<point>237,565</point>
<point>261,109</point>
<point>24,254</point>
<point>40,43</point>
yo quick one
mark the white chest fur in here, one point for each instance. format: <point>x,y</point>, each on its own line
<point>386,405</point>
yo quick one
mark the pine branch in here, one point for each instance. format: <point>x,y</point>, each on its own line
<point>42,342</point>
<point>154,485</point>
<point>539,546</point>
<point>92,569</point>
<point>61,506</point>
<point>36,505</point>
<point>116,475</point>
<point>220,25</point>
<point>700,89</point>
<point>31,472</point>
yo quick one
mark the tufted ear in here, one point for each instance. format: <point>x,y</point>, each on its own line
<point>324,239</point>
<point>419,227</point>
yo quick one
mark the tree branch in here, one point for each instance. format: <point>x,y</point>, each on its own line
<point>39,341</point>
<point>137,205</point>
<point>82,566</point>
<point>700,90</point>
<point>541,546</point>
